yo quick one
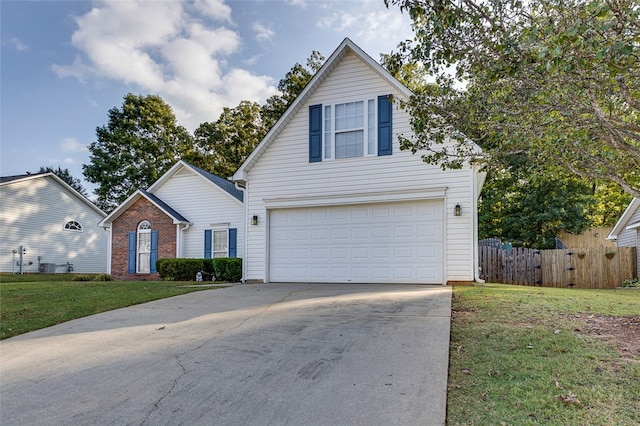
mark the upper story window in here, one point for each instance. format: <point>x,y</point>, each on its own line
<point>350,129</point>
<point>72,225</point>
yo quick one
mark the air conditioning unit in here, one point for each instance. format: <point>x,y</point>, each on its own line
<point>47,268</point>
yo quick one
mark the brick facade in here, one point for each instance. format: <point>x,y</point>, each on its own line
<point>127,222</point>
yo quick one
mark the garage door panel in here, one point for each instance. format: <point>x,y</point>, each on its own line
<point>394,242</point>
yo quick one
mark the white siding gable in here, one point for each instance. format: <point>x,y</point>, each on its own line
<point>33,214</point>
<point>204,205</point>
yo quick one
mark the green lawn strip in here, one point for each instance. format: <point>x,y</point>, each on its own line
<point>516,359</point>
<point>28,306</point>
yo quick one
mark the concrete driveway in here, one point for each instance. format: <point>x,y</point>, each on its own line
<point>271,354</point>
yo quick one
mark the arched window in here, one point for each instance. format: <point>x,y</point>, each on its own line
<point>143,252</point>
<point>72,225</point>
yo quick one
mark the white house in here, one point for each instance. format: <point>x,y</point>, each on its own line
<point>187,212</point>
<point>330,196</point>
<point>626,232</point>
<point>56,227</point>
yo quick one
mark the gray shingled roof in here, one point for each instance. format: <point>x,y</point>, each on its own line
<point>224,184</point>
<point>5,179</point>
<point>167,208</point>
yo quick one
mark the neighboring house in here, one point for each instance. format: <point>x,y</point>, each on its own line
<point>55,225</point>
<point>330,197</point>
<point>186,213</point>
<point>626,232</point>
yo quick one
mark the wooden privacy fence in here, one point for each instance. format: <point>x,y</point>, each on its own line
<point>596,267</point>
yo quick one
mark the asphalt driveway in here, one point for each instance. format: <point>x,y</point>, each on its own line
<point>271,354</point>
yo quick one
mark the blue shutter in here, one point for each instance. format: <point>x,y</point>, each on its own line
<point>315,133</point>
<point>233,242</point>
<point>132,253</point>
<point>154,251</point>
<point>384,125</point>
<point>207,243</point>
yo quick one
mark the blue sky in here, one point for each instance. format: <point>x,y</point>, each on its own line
<point>64,64</point>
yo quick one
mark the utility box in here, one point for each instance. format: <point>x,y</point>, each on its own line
<point>47,268</point>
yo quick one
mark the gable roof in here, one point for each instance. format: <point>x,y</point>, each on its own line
<point>623,222</point>
<point>225,185</point>
<point>347,46</point>
<point>7,180</point>
<point>153,199</point>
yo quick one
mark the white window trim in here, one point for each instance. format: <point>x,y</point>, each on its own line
<point>332,132</point>
<point>143,230</point>
<point>213,242</point>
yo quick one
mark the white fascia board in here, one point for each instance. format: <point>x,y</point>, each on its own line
<point>359,198</point>
<point>106,222</point>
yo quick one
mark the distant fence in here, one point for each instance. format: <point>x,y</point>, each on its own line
<point>596,267</point>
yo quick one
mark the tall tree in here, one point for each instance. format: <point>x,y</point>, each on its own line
<point>66,176</point>
<point>290,87</point>
<point>559,79</point>
<point>222,146</point>
<point>529,207</point>
<point>140,142</point>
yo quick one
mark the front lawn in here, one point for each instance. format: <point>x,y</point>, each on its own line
<point>31,302</point>
<point>528,355</point>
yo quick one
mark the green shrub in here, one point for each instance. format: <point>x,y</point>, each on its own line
<point>179,269</point>
<point>103,277</point>
<point>224,269</point>
<point>82,278</point>
<point>228,269</point>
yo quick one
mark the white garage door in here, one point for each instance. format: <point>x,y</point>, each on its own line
<point>377,243</point>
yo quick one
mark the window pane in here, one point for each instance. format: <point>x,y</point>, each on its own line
<point>220,240</point>
<point>327,132</point>
<point>144,262</point>
<point>371,130</point>
<point>349,144</point>
<point>144,242</point>
<point>350,116</point>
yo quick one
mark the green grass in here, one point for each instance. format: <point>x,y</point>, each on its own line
<point>28,303</point>
<point>515,354</point>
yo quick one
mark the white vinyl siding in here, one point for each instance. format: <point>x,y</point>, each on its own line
<point>284,172</point>
<point>33,214</point>
<point>205,206</point>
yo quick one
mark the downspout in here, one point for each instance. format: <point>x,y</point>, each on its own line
<point>477,187</point>
<point>109,246</point>
<point>244,231</point>
<point>180,238</point>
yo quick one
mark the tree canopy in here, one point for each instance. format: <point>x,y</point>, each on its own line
<point>223,145</point>
<point>557,79</point>
<point>140,142</point>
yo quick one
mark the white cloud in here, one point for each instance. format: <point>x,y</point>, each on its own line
<point>262,32</point>
<point>215,9</point>
<point>72,145</point>
<point>175,49</point>
<point>370,24</point>
<point>18,44</point>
